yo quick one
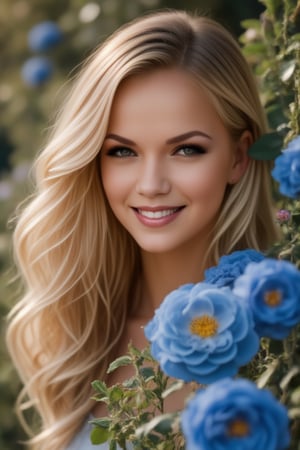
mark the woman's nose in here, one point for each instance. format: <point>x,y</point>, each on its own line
<point>153,179</point>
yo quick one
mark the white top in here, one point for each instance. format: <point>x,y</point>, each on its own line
<point>82,440</point>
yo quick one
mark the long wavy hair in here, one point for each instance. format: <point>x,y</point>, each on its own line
<point>78,265</point>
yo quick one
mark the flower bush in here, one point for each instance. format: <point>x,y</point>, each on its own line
<point>231,266</point>
<point>202,333</point>
<point>272,289</point>
<point>235,415</point>
<point>287,169</point>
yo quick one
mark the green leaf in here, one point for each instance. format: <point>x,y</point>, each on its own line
<point>267,147</point>
<point>99,435</point>
<point>162,423</point>
<point>147,373</point>
<point>296,252</point>
<point>286,254</point>
<point>251,23</point>
<point>254,48</point>
<point>115,394</point>
<point>155,441</point>
<point>267,374</point>
<point>165,425</point>
<point>100,387</point>
<point>296,218</point>
<point>294,371</point>
<point>134,351</point>
<point>287,71</point>
<point>121,361</point>
<point>295,45</point>
<point>294,413</point>
<point>276,347</point>
<point>295,397</point>
<point>176,386</point>
<point>131,383</point>
<point>102,422</point>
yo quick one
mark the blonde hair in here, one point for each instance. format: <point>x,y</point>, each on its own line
<point>78,264</point>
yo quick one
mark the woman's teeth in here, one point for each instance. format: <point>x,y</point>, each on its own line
<point>157,214</point>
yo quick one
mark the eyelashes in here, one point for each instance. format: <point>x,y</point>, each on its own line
<point>187,150</point>
<point>190,150</point>
<point>120,152</point>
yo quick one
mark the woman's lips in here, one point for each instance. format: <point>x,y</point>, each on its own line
<point>157,217</point>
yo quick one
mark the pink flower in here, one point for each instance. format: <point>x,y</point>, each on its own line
<point>283,216</point>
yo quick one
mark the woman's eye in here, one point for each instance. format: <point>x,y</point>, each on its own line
<point>120,152</point>
<point>190,150</point>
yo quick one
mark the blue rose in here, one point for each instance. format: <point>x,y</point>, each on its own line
<point>231,266</point>
<point>44,36</point>
<point>36,71</point>
<point>202,333</point>
<point>234,415</point>
<point>272,289</point>
<point>287,169</point>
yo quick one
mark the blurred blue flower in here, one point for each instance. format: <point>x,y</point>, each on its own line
<point>231,266</point>
<point>272,289</point>
<point>287,169</point>
<point>37,70</point>
<point>44,36</point>
<point>202,333</point>
<point>234,415</point>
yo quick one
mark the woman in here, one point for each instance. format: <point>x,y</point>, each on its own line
<point>144,184</point>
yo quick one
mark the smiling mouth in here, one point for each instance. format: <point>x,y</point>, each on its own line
<point>158,214</point>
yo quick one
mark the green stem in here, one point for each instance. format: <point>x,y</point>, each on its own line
<point>285,23</point>
<point>297,94</point>
<point>289,345</point>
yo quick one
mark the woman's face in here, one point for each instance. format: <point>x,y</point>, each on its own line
<point>166,160</point>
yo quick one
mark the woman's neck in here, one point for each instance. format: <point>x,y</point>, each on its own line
<point>164,272</point>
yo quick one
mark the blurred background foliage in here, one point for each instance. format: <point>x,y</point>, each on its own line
<point>26,110</point>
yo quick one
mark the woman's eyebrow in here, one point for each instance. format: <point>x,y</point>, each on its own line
<point>172,140</point>
<point>121,139</point>
<point>189,134</point>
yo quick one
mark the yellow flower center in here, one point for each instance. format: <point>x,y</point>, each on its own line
<point>204,326</point>
<point>273,298</point>
<point>238,428</point>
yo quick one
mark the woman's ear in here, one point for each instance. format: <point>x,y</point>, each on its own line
<point>241,159</point>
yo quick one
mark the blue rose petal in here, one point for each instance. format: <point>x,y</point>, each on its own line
<point>240,328</point>
<point>287,169</point>
<point>199,332</point>
<point>247,346</point>
<point>271,277</point>
<point>231,267</point>
<point>209,418</point>
<point>219,358</point>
